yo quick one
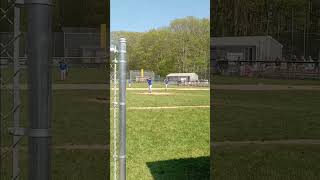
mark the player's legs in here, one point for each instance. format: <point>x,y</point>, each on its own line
<point>150,88</point>
<point>61,75</point>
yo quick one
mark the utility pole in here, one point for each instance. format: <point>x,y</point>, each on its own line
<point>39,57</point>
<point>122,107</point>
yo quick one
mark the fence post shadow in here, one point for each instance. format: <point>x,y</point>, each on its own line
<point>186,168</point>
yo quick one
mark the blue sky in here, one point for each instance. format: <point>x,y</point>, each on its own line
<point>143,15</point>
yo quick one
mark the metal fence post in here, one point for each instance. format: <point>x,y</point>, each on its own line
<point>39,56</point>
<point>16,93</point>
<point>122,109</point>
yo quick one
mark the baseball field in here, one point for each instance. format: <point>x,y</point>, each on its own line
<point>167,131</point>
<point>260,129</point>
<point>265,129</point>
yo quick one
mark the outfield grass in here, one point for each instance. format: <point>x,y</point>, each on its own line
<point>80,75</point>
<point>163,143</point>
<point>76,121</point>
<point>167,143</point>
<point>266,162</point>
<point>265,115</point>
<point>259,116</point>
<point>156,139</point>
<point>165,135</point>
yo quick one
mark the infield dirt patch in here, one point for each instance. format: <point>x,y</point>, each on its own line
<point>156,93</point>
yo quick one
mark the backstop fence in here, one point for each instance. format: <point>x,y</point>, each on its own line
<point>76,48</point>
<point>141,76</point>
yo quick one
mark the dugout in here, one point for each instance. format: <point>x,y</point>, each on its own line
<point>249,48</point>
<point>182,77</point>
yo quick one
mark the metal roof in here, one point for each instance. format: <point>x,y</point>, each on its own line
<point>242,40</point>
<point>182,74</point>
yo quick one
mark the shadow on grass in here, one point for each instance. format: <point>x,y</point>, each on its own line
<point>176,169</point>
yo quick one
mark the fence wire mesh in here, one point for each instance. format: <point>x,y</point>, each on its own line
<point>270,69</point>
<point>139,76</point>
<point>10,105</point>
<point>114,93</point>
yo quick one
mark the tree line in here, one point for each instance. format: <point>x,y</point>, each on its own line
<point>181,47</point>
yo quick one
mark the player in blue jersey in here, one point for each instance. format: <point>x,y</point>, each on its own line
<point>166,82</point>
<point>63,67</point>
<point>149,80</point>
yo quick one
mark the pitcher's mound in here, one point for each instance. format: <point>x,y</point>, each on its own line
<point>156,93</point>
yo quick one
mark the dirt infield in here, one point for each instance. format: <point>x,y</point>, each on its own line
<point>244,87</point>
<point>278,142</point>
<point>262,87</point>
<point>213,144</point>
<point>167,107</point>
<point>101,100</point>
<point>156,93</point>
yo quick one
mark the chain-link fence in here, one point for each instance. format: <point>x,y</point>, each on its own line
<point>141,76</point>
<point>270,69</point>
<point>10,102</point>
<point>76,48</point>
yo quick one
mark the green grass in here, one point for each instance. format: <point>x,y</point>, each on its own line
<point>174,98</point>
<point>67,165</point>
<point>174,143</point>
<point>162,135</point>
<point>76,120</point>
<point>154,137</point>
<point>266,162</point>
<point>265,115</point>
